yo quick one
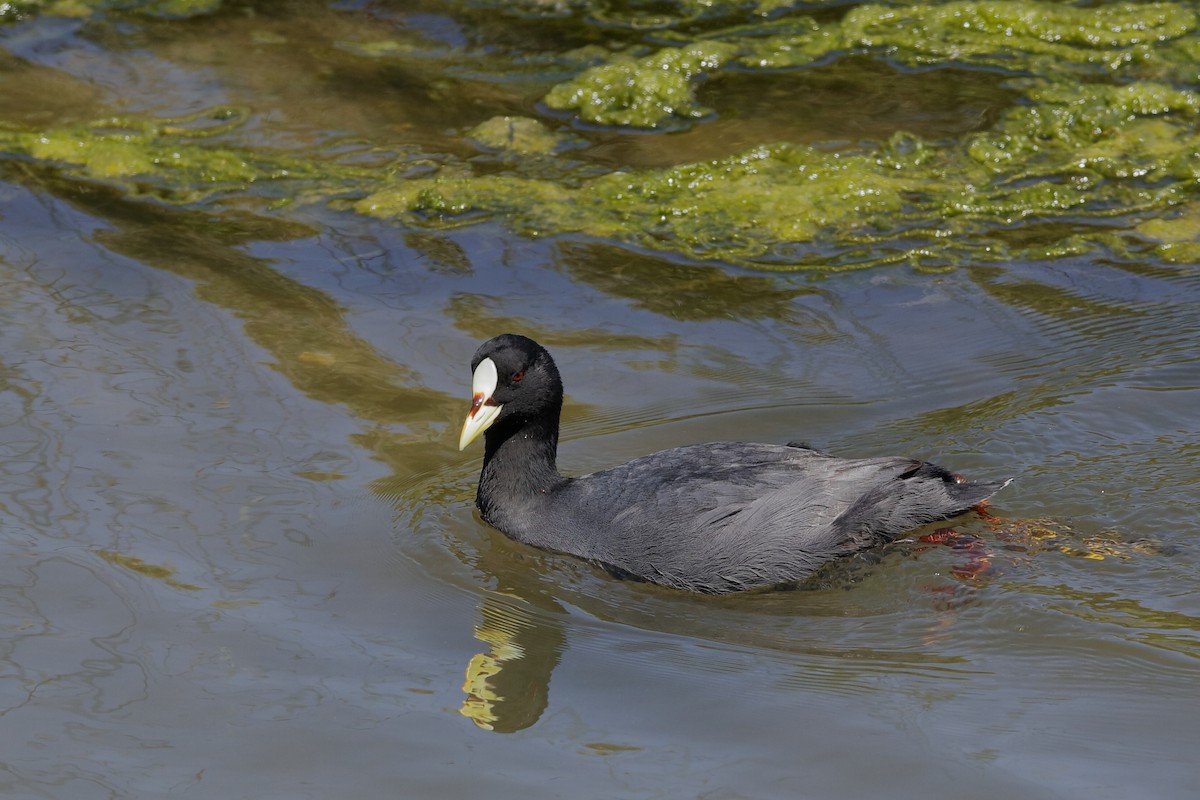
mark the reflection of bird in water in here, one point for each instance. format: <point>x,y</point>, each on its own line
<point>718,517</point>
<point>482,698</point>
<point>508,686</point>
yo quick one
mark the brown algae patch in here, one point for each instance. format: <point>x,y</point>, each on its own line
<point>158,572</point>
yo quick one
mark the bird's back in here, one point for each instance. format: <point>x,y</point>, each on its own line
<point>727,516</point>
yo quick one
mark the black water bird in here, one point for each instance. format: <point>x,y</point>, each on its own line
<point>714,518</point>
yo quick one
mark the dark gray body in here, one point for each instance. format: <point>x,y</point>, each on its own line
<point>729,516</point>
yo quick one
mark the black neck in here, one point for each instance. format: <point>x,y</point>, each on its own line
<point>519,464</point>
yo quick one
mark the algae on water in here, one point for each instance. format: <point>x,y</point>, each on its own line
<point>1122,142</point>
<point>1102,141</point>
<point>1035,36</point>
<point>172,160</point>
<point>1093,153</point>
<point>518,135</point>
<point>84,8</point>
<point>642,93</point>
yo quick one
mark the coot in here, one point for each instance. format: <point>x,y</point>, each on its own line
<point>717,517</point>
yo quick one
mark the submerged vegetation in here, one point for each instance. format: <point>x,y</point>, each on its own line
<point>1101,147</point>
<point>85,8</point>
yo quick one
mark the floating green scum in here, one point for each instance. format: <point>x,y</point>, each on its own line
<point>1121,143</point>
<point>1100,151</point>
<point>1105,130</point>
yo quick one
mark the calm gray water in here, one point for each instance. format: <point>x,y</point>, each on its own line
<point>239,557</point>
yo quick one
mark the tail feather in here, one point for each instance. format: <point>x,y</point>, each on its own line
<point>925,493</point>
<point>972,493</point>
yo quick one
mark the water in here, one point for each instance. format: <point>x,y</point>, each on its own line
<point>240,557</point>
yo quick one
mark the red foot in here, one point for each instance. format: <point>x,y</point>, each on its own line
<point>981,511</point>
<point>979,561</point>
<point>940,536</point>
<point>974,568</point>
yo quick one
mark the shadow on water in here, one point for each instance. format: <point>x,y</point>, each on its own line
<point>301,327</point>
<point>682,291</point>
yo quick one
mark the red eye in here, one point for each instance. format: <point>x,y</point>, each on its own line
<point>516,378</point>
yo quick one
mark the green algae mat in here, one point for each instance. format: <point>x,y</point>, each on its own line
<point>1090,144</point>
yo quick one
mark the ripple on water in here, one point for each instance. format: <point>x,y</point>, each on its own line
<point>1093,326</point>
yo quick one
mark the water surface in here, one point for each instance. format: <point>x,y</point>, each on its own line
<point>240,556</point>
